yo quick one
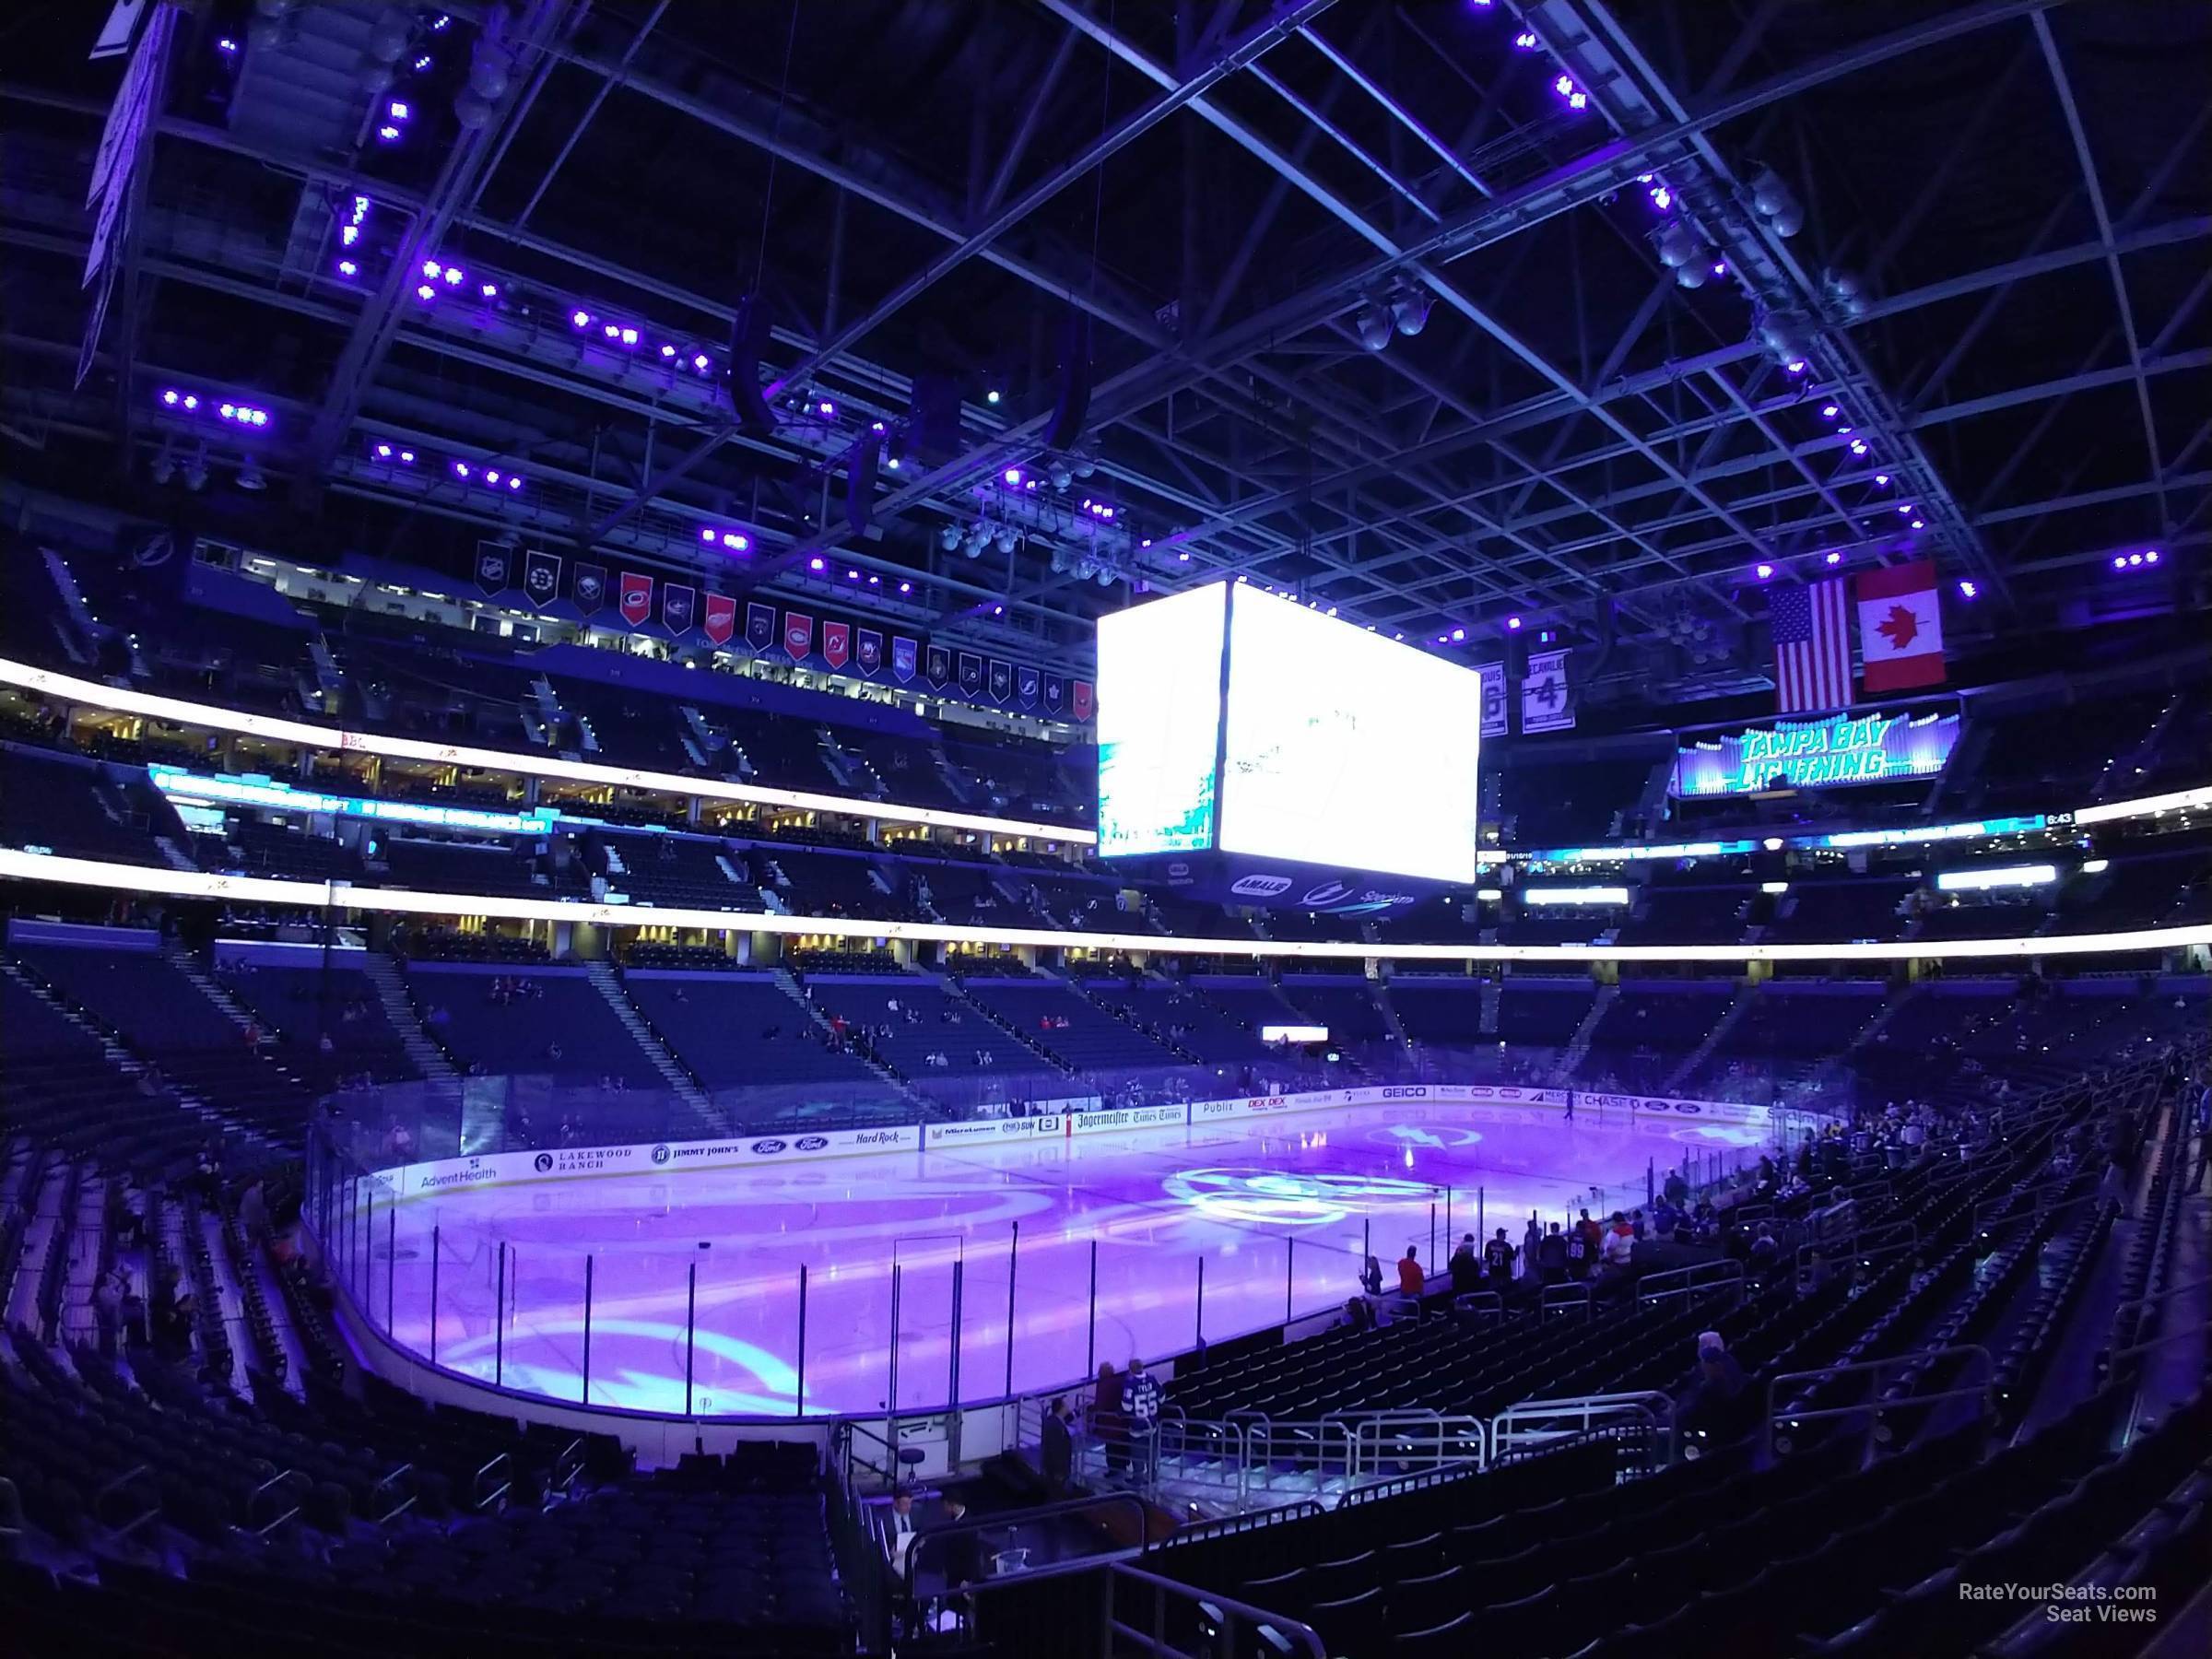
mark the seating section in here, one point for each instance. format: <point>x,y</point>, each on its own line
<point>674,870</point>
<point>544,1021</point>
<point>1444,1011</point>
<point>1052,1017</point>
<point>744,1030</point>
<point>78,812</point>
<point>1543,1013</point>
<point>1348,1006</point>
<point>300,1005</point>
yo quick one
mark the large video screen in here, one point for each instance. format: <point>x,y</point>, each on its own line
<point>1160,722</point>
<point>1346,748</point>
<point>1816,754</point>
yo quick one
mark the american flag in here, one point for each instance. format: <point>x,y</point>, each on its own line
<point>1812,645</point>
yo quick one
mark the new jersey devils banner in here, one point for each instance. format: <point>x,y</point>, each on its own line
<point>637,598</point>
<point>837,643</point>
<point>939,670</point>
<point>1002,680</point>
<point>971,673</point>
<point>1056,692</point>
<point>494,563</point>
<point>589,589</point>
<point>679,604</point>
<point>904,651</point>
<point>760,625</point>
<point>721,618</point>
<point>798,634</point>
<point>541,576</point>
<point>867,651</point>
<point>1085,692</point>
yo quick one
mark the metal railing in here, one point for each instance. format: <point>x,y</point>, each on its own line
<point>1790,1418</point>
<point>1219,1626</point>
<point>1539,1422</point>
<point>1716,1278</point>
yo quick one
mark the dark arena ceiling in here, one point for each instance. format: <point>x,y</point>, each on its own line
<point>1436,312</point>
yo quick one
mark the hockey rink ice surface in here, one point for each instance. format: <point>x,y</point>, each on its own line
<point>1276,1209</point>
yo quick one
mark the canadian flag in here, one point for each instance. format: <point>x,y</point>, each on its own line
<point>1900,629</point>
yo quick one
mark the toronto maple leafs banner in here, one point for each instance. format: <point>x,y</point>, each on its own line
<point>1546,703</point>
<point>719,620</point>
<point>678,602</point>
<point>495,564</point>
<point>589,589</point>
<point>867,651</point>
<point>759,626</point>
<point>904,651</point>
<point>541,576</point>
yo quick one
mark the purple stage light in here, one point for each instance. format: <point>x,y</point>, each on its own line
<point>700,362</point>
<point>1920,523</point>
<point>876,426</point>
<point>491,291</point>
<point>906,587</point>
<point>226,45</point>
<point>1457,634</point>
<point>348,268</point>
<point>1967,590</point>
<point>2135,558</point>
<point>1762,570</point>
<point>406,457</point>
<point>825,407</point>
<point>875,582</point>
<point>424,61</point>
<point>348,235</point>
<point>430,267</point>
<point>1858,446</point>
<point>1719,267</point>
<point>2151,557</point>
<point>667,351</point>
<point>1525,41</point>
<point>629,337</point>
<point>1835,559</point>
<point>1576,101</point>
<point>491,475</point>
<point>455,276</point>
<point>2119,561</point>
<point>399,110</point>
<point>513,482</point>
<point>580,319</point>
<point>1830,411</point>
<point>1662,197</point>
<point>1513,623</point>
<point>1563,86</point>
<point>227,410</point>
<point>1794,365</point>
<point>360,208</point>
<point>459,469</point>
<point>172,397</point>
<point>191,401</point>
<point>383,451</point>
<point>388,133</point>
<point>706,536</point>
<point>1012,475</point>
<point>814,564</point>
<point>425,292</point>
<point>612,331</point>
<point>1882,478</point>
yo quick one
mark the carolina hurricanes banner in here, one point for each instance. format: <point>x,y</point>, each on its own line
<point>760,625</point>
<point>679,603</point>
<point>904,651</point>
<point>971,673</point>
<point>637,598</point>
<point>541,576</point>
<point>589,590</point>
<point>798,634</point>
<point>867,651</point>
<point>1056,692</point>
<point>1085,692</point>
<point>939,669</point>
<point>1025,685</point>
<point>1002,680</point>
<point>721,618</point>
<point>837,643</point>
<point>1900,629</point>
<point>494,564</point>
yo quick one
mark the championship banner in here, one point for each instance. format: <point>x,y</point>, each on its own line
<point>589,589</point>
<point>721,616</point>
<point>1002,680</point>
<point>679,603</point>
<point>1493,699</point>
<point>939,666</point>
<point>867,651</point>
<point>494,563</point>
<point>1084,699</point>
<point>837,643</point>
<point>637,598</point>
<point>1545,704</point>
<point>1056,692</point>
<point>1025,685</point>
<point>904,651</point>
<point>760,625</point>
<point>798,634</point>
<point>541,575</point>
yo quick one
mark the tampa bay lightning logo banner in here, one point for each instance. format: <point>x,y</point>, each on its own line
<point>1056,692</point>
<point>541,575</point>
<point>759,626</point>
<point>867,651</point>
<point>493,562</point>
<point>904,651</point>
<point>1002,680</point>
<point>971,673</point>
<point>1025,685</point>
<point>589,590</point>
<point>939,670</point>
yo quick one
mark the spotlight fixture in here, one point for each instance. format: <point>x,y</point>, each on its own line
<point>1373,326</point>
<point>250,477</point>
<point>1967,590</point>
<point>1059,475</point>
<point>1762,570</point>
<point>1409,309</point>
<point>1004,539</point>
<point>1775,201</point>
<point>949,537</point>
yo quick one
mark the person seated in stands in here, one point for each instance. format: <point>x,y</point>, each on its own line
<point>1708,1406</point>
<point>1412,1281</point>
<point>1359,1314</point>
<point>1466,1267</point>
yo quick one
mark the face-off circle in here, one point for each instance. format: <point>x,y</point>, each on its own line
<point>1275,1198</point>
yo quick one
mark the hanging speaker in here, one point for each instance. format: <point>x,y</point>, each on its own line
<point>1073,406</point>
<point>860,485</point>
<point>748,339</point>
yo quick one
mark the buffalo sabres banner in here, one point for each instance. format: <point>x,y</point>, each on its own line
<point>1056,692</point>
<point>494,565</point>
<point>1084,699</point>
<point>541,576</point>
<point>1002,680</point>
<point>837,643</point>
<point>972,674</point>
<point>719,618</point>
<point>1493,698</point>
<point>759,626</point>
<point>939,670</point>
<point>867,651</point>
<point>798,634</point>
<point>904,651</point>
<point>1025,685</point>
<point>589,589</point>
<point>680,603</point>
<point>637,598</point>
<point>1546,705</point>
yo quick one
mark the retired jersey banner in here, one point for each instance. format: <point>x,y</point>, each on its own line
<point>1493,698</point>
<point>679,607</point>
<point>589,589</point>
<point>938,669</point>
<point>798,635</point>
<point>903,650</point>
<point>1025,685</point>
<point>837,643</point>
<point>972,674</point>
<point>1056,692</point>
<point>1084,699</point>
<point>541,576</point>
<point>719,618</point>
<point>867,651</point>
<point>1545,704</point>
<point>495,565</point>
<point>759,626</point>
<point>1002,680</point>
<point>637,598</point>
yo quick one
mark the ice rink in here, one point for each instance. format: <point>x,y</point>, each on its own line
<point>1207,1230</point>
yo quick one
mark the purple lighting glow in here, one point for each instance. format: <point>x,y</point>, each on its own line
<point>1512,625</point>
<point>706,536</point>
<point>2151,557</point>
<point>388,133</point>
<point>425,292</point>
<point>1835,559</point>
<point>1967,590</point>
<point>814,564</point>
<point>700,362</point>
<point>459,469</point>
<point>580,319</point>
<point>1012,475</point>
<point>1762,570</point>
<point>825,407</point>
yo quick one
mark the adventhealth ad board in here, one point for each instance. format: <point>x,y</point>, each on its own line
<point>502,1169</point>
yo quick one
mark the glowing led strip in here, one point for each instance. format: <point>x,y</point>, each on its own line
<point>126,701</point>
<point>18,864</point>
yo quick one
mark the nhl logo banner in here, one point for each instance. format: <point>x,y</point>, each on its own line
<point>1056,692</point>
<point>637,598</point>
<point>1545,703</point>
<point>541,576</point>
<point>678,604</point>
<point>867,651</point>
<point>1085,694</point>
<point>940,665</point>
<point>837,643</point>
<point>972,674</point>
<point>1493,698</point>
<point>590,589</point>
<point>759,626</point>
<point>492,564</point>
<point>1002,680</point>
<point>798,635</point>
<point>1025,687</point>
<point>721,618</point>
<point>904,651</point>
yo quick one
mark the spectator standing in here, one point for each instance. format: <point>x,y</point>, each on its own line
<point>1370,1277</point>
<point>1497,1257</point>
<point>1551,1255</point>
<point>1106,1420</point>
<point>959,1553</point>
<point>1140,1402</point>
<point>1531,1239</point>
<point>1466,1267</point>
<point>1594,1235</point>
<point>1618,1248</point>
<point>1412,1281</point>
<point>1056,1450</point>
